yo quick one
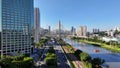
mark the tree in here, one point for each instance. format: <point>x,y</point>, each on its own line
<point>51,50</point>
<point>51,59</point>
<point>85,57</point>
<point>102,33</point>
<point>20,57</point>
<point>37,45</point>
<point>17,61</point>
<point>88,65</point>
<point>116,32</point>
<point>97,62</point>
<point>77,53</point>
<point>6,61</point>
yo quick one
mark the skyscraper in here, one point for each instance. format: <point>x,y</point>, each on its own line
<point>59,29</point>
<point>95,31</point>
<point>36,24</point>
<point>73,31</point>
<point>16,20</point>
<point>82,31</point>
<point>49,29</point>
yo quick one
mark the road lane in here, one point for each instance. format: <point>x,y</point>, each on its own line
<point>62,60</point>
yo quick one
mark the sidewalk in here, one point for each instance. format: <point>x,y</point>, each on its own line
<point>75,61</point>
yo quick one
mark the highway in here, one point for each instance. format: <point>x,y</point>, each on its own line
<point>41,63</point>
<point>61,58</point>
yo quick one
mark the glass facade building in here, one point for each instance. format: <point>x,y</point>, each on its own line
<point>16,20</point>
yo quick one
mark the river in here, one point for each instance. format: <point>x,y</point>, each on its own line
<point>102,53</point>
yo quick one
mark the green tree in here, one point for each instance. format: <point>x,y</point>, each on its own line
<point>97,62</point>
<point>77,53</point>
<point>37,45</point>
<point>85,57</point>
<point>51,59</point>
<point>6,61</point>
<point>17,61</point>
<point>116,32</point>
<point>103,33</point>
<point>51,50</point>
<point>88,65</point>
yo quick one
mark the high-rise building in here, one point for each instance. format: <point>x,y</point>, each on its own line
<point>16,19</point>
<point>59,29</point>
<point>95,30</point>
<point>110,33</point>
<point>36,24</point>
<point>82,31</point>
<point>73,31</point>
<point>49,28</point>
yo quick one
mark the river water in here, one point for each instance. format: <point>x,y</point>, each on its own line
<point>102,53</point>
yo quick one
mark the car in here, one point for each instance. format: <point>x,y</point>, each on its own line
<point>38,63</point>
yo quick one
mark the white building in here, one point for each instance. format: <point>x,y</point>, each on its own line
<point>117,28</point>
<point>108,39</point>
<point>110,33</point>
<point>82,31</point>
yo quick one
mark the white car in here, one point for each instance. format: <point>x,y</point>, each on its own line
<point>38,63</point>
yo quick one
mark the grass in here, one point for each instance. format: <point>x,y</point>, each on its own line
<point>114,49</point>
<point>103,45</point>
<point>70,47</point>
<point>71,50</point>
<point>71,63</point>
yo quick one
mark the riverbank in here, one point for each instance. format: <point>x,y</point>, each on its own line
<point>84,57</point>
<point>108,47</point>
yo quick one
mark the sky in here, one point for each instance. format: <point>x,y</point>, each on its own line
<point>102,14</point>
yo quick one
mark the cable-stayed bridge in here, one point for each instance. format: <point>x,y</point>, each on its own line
<point>59,31</point>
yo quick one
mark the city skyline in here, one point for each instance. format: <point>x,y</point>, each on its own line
<point>59,34</point>
<point>93,14</point>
